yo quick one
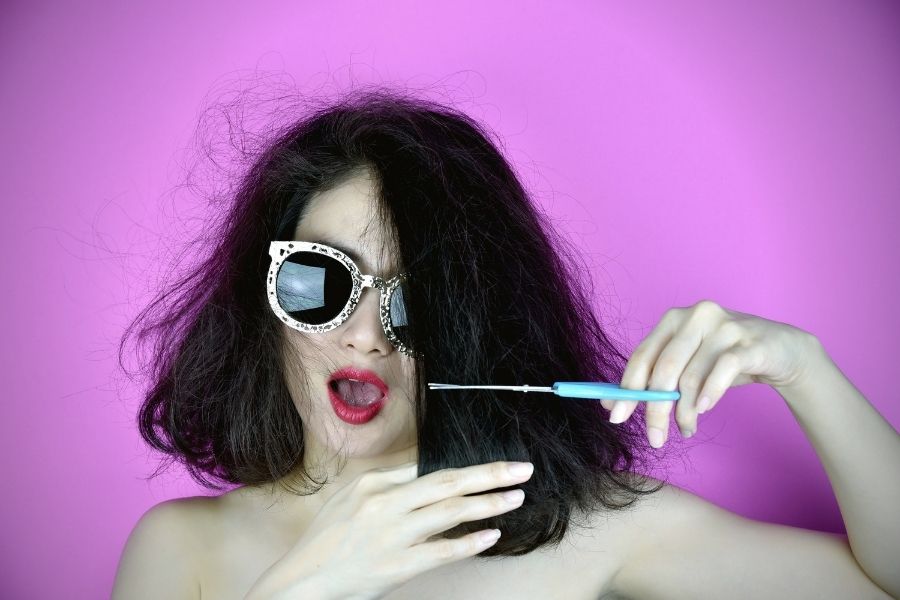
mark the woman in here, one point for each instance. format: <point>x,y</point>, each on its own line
<point>279,371</point>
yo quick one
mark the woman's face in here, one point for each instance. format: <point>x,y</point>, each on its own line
<point>345,217</point>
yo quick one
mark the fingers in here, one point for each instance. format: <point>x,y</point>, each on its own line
<point>693,377</point>
<point>442,503</point>
<point>638,370</point>
<point>621,410</point>
<point>442,551</point>
<point>446,514</point>
<point>640,366</point>
<point>728,366</point>
<point>678,354</point>
<point>383,478</point>
<point>658,422</point>
<point>641,370</point>
<point>447,483</point>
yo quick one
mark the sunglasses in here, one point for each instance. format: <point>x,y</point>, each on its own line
<point>315,288</point>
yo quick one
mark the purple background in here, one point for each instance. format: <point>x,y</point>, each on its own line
<point>745,154</point>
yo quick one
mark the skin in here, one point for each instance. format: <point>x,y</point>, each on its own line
<point>676,545</point>
<point>701,351</point>
<point>345,216</point>
<point>699,548</point>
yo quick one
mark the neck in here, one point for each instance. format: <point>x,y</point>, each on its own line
<point>336,471</point>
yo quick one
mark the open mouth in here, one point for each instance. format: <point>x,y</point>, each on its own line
<point>360,394</point>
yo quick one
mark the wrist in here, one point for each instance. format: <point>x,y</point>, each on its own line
<point>816,367</point>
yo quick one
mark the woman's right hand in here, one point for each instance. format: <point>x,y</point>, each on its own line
<point>372,535</point>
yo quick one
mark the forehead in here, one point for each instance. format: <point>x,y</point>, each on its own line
<point>345,217</point>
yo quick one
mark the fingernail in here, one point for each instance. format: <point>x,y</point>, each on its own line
<point>703,404</point>
<point>489,537</point>
<point>656,436</point>
<point>618,413</point>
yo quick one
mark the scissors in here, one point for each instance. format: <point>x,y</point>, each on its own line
<point>575,389</point>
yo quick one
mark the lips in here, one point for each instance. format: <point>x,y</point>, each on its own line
<point>349,412</point>
<point>359,375</point>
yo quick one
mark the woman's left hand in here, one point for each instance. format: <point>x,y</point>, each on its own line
<point>702,351</point>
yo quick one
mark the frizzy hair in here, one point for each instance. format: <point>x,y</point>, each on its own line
<point>495,297</point>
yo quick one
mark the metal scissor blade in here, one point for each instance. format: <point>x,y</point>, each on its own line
<point>515,388</point>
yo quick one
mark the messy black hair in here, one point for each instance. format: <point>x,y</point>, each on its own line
<point>497,297</point>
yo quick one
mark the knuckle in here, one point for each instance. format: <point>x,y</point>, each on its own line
<point>445,548</point>
<point>374,504</point>
<point>452,508</point>
<point>690,380</point>
<point>639,354</point>
<point>657,413</point>
<point>665,365</point>
<point>499,471</point>
<point>731,330</point>
<point>707,307</point>
<point>367,480</point>
<point>729,359</point>
<point>496,502</point>
<point>449,480</point>
<point>656,410</point>
<point>685,420</point>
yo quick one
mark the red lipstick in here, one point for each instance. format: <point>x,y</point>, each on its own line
<point>356,415</point>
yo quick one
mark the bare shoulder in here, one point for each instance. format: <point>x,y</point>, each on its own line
<point>618,527</point>
<point>163,553</point>
<point>599,542</point>
<point>677,544</point>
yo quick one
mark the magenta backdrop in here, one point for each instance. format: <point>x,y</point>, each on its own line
<point>745,154</point>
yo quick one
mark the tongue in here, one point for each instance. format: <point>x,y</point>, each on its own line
<point>358,393</point>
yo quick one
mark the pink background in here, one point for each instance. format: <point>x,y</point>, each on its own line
<point>745,154</point>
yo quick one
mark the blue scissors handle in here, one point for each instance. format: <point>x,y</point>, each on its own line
<point>609,391</point>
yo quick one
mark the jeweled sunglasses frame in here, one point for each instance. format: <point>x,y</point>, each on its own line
<point>279,251</point>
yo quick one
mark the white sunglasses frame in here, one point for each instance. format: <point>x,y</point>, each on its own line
<point>279,252</point>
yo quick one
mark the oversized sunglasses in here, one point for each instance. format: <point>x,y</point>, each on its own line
<point>315,288</point>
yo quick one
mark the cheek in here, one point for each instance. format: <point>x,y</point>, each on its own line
<point>409,379</point>
<point>303,363</point>
<point>312,353</point>
<point>309,346</point>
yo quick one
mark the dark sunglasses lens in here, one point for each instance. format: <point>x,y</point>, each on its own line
<point>313,288</point>
<point>399,323</point>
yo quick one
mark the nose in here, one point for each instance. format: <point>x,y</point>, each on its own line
<point>363,331</point>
